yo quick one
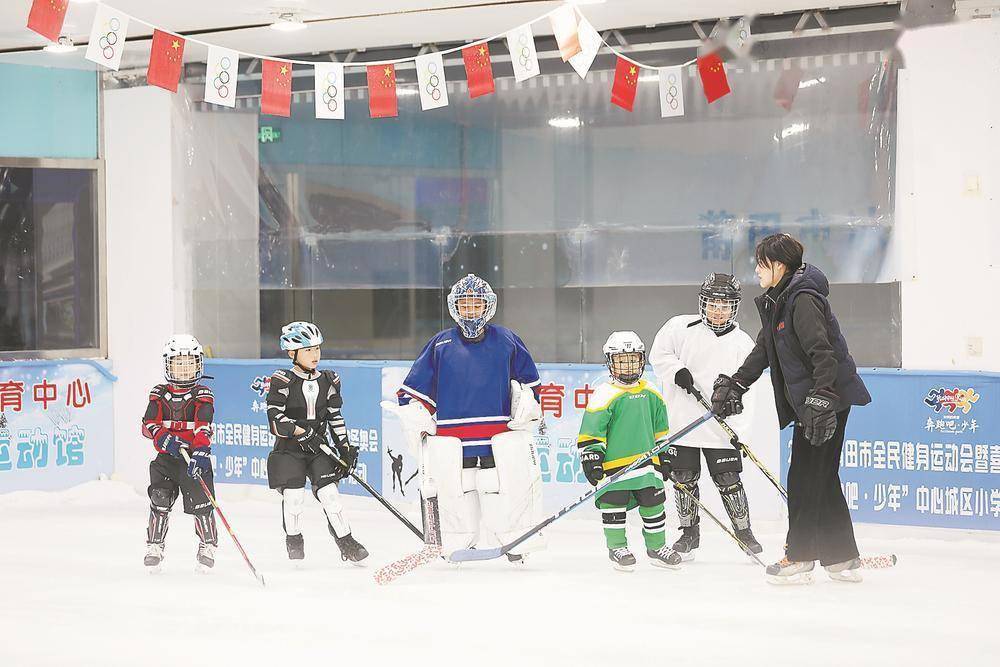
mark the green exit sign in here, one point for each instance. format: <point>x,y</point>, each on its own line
<point>268,134</point>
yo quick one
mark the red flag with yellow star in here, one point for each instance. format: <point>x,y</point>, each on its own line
<point>382,91</point>
<point>166,57</point>
<point>626,81</point>
<point>478,69</point>
<point>46,17</point>
<point>276,88</point>
<point>713,77</point>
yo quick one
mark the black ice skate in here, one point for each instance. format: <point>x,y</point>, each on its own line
<point>296,547</point>
<point>154,556</point>
<point>350,549</point>
<point>747,538</point>
<point>664,557</point>
<point>206,557</point>
<point>622,558</point>
<point>689,540</point>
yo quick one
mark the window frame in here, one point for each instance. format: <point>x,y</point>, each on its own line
<point>85,164</point>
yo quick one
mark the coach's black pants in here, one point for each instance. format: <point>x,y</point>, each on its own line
<point>819,522</point>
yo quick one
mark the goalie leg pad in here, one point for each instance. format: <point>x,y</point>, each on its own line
<point>511,493</point>
<point>442,476</point>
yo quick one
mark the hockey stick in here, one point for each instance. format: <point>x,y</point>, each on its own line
<point>374,494</point>
<point>721,525</point>
<point>489,554</point>
<point>208,494</point>
<point>430,512</point>
<point>734,440</point>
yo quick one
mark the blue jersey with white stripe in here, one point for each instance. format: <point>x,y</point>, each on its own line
<point>466,384</point>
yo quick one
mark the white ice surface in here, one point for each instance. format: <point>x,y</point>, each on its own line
<point>73,591</point>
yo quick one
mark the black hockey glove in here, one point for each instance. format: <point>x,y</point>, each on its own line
<point>819,417</point>
<point>349,455</point>
<point>593,466</point>
<point>200,463</point>
<point>172,445</point>
<point>310,441</point>
<point>727,396</point>
<point>683,379</point>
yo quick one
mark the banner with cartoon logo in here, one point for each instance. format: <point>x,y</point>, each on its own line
<point>242,440</point>
<point>925,452</point>
<point>55,423</point>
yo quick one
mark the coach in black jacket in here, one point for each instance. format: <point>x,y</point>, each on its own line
<point>815,384</point>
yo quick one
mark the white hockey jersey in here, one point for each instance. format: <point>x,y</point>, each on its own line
<point>685,342</point>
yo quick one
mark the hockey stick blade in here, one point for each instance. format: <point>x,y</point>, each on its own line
<point>880,562</point>
<point>394,570</point>
<point>487,554</point>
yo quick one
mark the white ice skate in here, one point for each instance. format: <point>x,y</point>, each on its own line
<point>848,571</point>
<point>205,558</point>
<point>154,557</point>
<point>789,573</point>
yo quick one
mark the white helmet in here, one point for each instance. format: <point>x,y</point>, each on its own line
<point>625,356</point>
<point>179,371</point>
<point>300,335</point>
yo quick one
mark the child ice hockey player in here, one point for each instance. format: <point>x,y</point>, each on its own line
<point>302,404</point>
<point>179,416</point>
<point>689,352</point>
<point>624,419</point>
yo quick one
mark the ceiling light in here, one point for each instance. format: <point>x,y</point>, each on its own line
<point>407,92</point>
<point>565,122</point>
<point>809,83</point>
<point>288,22</point>
<point>64,45</point>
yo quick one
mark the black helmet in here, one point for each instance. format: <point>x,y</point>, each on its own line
<point>722,290</point>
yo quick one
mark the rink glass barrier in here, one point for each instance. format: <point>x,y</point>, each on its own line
<point>56,423</point>
<point>925,452</point>
<point>583,217</point>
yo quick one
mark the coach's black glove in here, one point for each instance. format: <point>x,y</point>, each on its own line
<point>593,466</point>
<point>727,397</point>
<point>683,379</point>
<point>310,441</point>
<point>819,417</point>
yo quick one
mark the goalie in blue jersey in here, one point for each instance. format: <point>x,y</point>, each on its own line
<point>473,392</point>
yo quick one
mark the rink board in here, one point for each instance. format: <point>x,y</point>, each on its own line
<point>56,421</point>
<point>925,452</point>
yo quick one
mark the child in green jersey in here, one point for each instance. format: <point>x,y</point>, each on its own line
<point>624,419</point>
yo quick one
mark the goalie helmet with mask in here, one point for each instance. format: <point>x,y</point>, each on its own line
<point>625,356</point>
<point>183,361</point>
<point>719,301</point>
<point>472,303</point>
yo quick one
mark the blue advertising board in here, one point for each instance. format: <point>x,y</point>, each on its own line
<point>56,421</point>
<point>925,452</point>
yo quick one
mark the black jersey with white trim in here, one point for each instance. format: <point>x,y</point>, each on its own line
<point>307,401</point>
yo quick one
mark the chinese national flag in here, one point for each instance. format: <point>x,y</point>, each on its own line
<point>626,80</point>
<point>46,17</point>
<point>166,57</point>
<point>478,69</point>
<point>276,88</point>
<point>382,91</point>
<point>713,77</point>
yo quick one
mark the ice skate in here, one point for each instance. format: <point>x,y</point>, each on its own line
<point>622,558</point>
<point>296,547</point>
<point>689,540</point>
<point>789,573</point>
<point>154,557</point>
<point>351,550</point>
<point>849,571</point>
<point>205,557</point>
<point>748,539</point>
<point>664,557</point>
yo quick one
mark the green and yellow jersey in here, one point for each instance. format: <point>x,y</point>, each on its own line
<point>625,422</point>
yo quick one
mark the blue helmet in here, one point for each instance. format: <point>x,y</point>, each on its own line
<point>469,290</point>
<point>299,335</point>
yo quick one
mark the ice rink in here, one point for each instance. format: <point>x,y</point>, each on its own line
<point>75,592</point>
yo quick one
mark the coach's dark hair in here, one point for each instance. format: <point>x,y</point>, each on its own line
<point>782,248</point>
